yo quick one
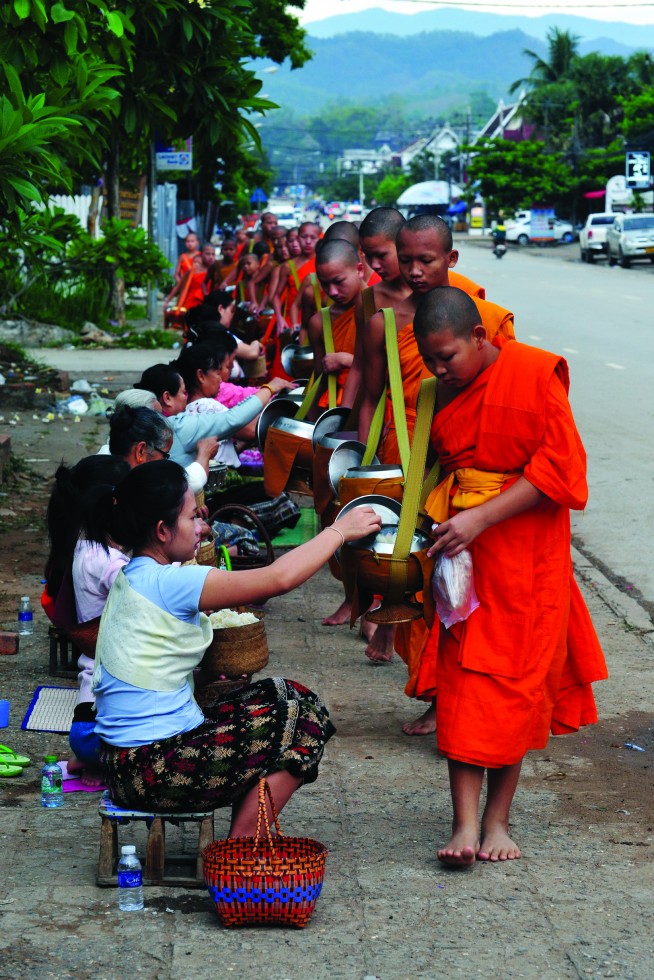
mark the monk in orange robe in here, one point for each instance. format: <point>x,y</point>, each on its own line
<point>305,263</point>
<point>522,663</point>
<point>340,274</point>
<point>419,259</point>
<point>185,260</point>
<point>221,271</point>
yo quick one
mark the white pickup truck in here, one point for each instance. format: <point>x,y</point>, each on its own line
<point>592,237</point>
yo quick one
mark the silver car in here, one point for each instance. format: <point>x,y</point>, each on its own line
<point>630,237</point>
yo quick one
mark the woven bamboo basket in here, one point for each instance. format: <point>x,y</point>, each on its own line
<point>206,553</point>
<point>265,880</point>
<point>237,650</point>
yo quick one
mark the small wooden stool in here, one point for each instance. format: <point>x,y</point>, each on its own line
<point>63,654</point>
<point>158,869</point>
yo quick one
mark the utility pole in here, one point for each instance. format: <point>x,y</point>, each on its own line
<point>152,227</point>
<point>361,197</point>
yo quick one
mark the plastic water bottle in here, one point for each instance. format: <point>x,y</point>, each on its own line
<point>130,880</point>
<point>25,616</point>
<point>52,783</point>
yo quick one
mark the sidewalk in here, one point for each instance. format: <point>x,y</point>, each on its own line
<point>578,904</point>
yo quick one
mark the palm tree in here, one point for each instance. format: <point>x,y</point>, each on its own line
<point>562,51</point>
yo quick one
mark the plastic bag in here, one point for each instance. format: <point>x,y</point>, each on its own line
<point>453,588</point>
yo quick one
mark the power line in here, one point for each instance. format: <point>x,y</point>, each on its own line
<point>521,6</point>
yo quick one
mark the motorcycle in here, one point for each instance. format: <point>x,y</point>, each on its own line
<point>499,239</point>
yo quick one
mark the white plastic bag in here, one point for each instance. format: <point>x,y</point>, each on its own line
<point>453,588</point>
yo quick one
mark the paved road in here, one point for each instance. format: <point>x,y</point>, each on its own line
<point>602,321</point>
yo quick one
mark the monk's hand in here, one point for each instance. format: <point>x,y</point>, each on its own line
<point>453,536</point>
<point>332,363</point>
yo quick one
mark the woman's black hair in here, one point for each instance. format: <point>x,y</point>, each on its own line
<point>160,378</point>
<point>150,493</point>
<point>220,297</point>
<point>128,426</point>
<point>199,357</point>
<point>80,504</point>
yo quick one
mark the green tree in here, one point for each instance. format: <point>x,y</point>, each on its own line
<point>562,52</point>
<point>512,175</point>
<point>392,184</point>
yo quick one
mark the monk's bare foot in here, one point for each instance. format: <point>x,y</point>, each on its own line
<point>425,724</point>
<point>496,845</point>
<point>461,850</point>
<point>367,630</point>
<point>341,616</point>
<point>91,777</point>
<point>380,648</point>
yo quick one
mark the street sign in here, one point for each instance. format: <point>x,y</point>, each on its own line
<point>175,160</point>
<point>177,157</point>
<point>258,197</point>
<point>637,167</point>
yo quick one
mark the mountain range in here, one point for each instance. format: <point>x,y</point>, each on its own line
<point>372,56</point>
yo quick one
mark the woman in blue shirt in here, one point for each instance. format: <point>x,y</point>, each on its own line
<point>161,751</point>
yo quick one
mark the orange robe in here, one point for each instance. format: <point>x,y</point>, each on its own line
<point>304,271</point>
<point>467,285</point>
<point>344,331</point>
<point>497,321</point>
<point>521,665</point>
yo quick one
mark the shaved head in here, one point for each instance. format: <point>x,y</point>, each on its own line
<point>336,250</point>
<point>431,222</point>
<point>343,229</point>
<point>385,222</point>
<point>446,308</point>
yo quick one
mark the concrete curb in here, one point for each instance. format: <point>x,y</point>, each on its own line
<point>627,609</point>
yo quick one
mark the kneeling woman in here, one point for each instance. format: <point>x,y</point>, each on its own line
<point>161,752</point>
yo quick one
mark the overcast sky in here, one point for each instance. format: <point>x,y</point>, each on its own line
<point>636,12</point>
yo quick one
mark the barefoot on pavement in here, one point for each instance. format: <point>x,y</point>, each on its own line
<point>496,845</point>
<point>461,850</point>
<point>341,616</point>
<point>381,646</point>
<point>425,724</point>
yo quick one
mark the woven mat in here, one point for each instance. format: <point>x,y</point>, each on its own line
<point>51,710</point>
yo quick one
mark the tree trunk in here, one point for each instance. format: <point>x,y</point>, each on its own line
<point>117,283</point>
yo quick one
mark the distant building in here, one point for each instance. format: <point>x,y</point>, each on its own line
<point>368,161</point>
<point>508,123</point>
<point>441,141</point>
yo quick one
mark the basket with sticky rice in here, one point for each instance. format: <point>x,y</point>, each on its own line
<point>239,645</point>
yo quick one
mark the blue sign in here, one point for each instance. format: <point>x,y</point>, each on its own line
<point>258,197</point>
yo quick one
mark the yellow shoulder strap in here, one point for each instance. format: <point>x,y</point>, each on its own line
<point>328,336</point>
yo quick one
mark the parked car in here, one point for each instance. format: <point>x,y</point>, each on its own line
<point>630,237</point>
<point>335,209</point>
<point>353,212</point>
<point>520,230</point>
<point>592,237</point>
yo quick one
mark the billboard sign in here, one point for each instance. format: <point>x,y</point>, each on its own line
<point>637,165</point>
<point>179,157</point>
<point>542,225</point>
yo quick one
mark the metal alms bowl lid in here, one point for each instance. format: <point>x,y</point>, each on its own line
<point>295,427</point>
<point>287,356</point>
<point>387,508</point>
<point>334,439</point>
<point>330,421</point>
<point>296,354</point>
<point>348,454</point>
<point>380,471</point>
<point>275,409</point>
<point>383,541</point>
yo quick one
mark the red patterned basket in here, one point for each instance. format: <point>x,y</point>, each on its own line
<point>263,880</point>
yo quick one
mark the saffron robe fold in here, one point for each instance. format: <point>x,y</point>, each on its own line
<point>344,332</point>
<point>521,665</point>
<point>497,321</point>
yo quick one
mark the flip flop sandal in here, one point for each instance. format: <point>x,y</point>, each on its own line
<point>9,757</point>
<point>7,770</point>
